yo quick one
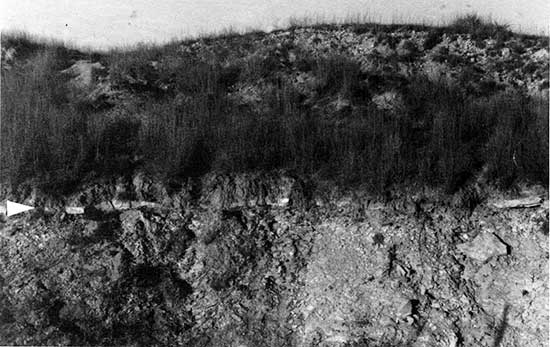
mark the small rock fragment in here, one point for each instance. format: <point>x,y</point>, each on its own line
<point>74,210</point>
<point>483,247</point>
<point>406,48</point>
<point>532,201</point>
<point>406,310</point>
<point>506,52</point>
<point>541,55</point>
<point>389,101</point>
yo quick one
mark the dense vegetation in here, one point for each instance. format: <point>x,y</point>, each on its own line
<point>444,132</point>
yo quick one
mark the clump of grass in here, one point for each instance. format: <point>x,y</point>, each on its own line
<point>31,116</point>
<point>25,43</point>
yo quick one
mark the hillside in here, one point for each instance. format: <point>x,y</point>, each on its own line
<point>327,185</point>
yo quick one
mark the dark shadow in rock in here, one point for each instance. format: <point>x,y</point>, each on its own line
<point>53,311</point>
<point>92,213</point>
<point>378,239</point>
<point>183,287</point>
<point>220,283</point>
<point>146,276</point>
<point>65,325</point>
<point>199,161</point>
<point>415,306</point>
<point>6,315</point>
<point>235,214</point>
<point>502,326</point>
<point>106,231</point>
<point>508,247</point>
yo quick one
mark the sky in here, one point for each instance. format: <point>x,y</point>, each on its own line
<point>109,23</point>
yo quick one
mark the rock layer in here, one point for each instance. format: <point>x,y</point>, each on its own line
<point>248,260</point>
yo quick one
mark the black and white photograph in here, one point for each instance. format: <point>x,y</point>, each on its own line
<point>274,173</point>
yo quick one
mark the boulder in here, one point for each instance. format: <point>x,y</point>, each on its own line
<point>506,52</point>
<point>74,210</point>
<point>388,101</point>
<point>483,247</point>
<point>84,73</point>
<point>341,104</point>
<point>527,202</point>
<point>435,71</point>
<point>149,189</point>
<point>384,50</point>
<point>88,83</point>
<point>8,57</point>
<point>541,55</point>
<point>406,49</point>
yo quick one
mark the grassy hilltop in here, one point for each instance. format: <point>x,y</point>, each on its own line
<point>359,103</point>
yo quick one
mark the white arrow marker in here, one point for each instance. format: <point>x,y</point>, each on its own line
<point>15,208</point>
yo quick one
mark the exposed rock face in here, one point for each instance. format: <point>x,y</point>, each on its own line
<point>84,73</point>
<point>8,57</point>
<point>230,191</point>
<point>88,83</point>
<point>74,210</point>
<point>483,247</point>
<point>389,101</point>
<point>530,201</point>
<point>416,271</point>
<point>517,62</point>
<point>257,259</point>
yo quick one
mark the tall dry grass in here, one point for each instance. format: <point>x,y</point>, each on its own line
<point>443,135</point>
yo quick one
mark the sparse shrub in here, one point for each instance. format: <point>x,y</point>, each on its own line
<point>229,75</point>
<point>530,67</point>
<point>441,54</point>
<point>26,45</point>
<point>134,71</point>
<point>407,50</point>
<point>518,146</point>
<point>479,28</point>
<point>260,66</point>
<point>433,39</point>
<point>517,47</point>
<point>119,145</point>
<point>339,75</point>
<point>188,75</point>
<point>384,37</point>
<point>454,60</point>
<point>34,118</point>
